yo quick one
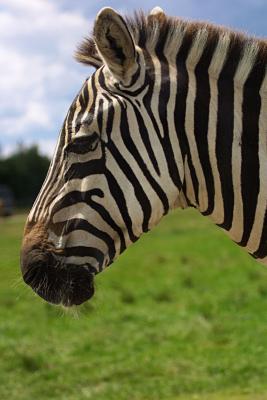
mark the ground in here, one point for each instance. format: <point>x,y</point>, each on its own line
<point>182,315</point>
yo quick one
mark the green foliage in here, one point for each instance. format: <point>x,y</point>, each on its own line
<point>180,316</point>
<point>24,172</point>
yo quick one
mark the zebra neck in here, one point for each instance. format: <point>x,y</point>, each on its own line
<point>220,117</point>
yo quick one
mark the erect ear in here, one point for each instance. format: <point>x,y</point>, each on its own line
<point>156,11</point>
<point>115,43</point>
<point>156,14</point>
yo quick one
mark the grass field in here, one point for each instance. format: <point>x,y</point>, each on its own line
<point>181,315</point>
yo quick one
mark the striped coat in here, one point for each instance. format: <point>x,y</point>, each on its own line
<point>173,116</point>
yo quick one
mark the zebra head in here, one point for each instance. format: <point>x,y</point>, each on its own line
<point>116,170</point>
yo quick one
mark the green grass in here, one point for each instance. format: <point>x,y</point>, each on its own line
<point>181,315</point>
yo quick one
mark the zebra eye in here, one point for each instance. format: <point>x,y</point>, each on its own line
<point>83,144</point>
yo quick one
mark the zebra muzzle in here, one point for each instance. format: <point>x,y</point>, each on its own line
<point>56,283</point>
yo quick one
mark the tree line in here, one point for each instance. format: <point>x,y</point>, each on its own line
<point>24,172</point>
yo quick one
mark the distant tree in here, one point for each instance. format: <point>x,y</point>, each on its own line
<point>24,172</point>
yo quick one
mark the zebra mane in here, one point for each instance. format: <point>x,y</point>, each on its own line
<point>162,35</point>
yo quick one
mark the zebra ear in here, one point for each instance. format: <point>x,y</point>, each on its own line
<point>115,43</point>
<point>156,11</point>
<point>156,15</point>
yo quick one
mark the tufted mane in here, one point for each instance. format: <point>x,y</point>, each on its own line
<point>160,33</point>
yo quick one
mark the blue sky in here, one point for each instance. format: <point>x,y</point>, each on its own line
<point>38,75</point>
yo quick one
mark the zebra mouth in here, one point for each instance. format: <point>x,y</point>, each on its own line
<point>68,285</point>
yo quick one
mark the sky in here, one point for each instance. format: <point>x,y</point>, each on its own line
<point>39,77</point>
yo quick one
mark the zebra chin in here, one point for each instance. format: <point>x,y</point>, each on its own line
<point>68,285</point>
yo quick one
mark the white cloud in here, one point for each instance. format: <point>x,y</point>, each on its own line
<point>46,147</point>
<point>38,76</point>
<point>31,6</point>
<point>34,114</point>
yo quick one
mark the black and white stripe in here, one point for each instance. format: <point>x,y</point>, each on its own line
<point>188,129</point>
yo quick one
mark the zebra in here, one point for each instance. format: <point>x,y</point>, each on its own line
<point>174,115</point>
